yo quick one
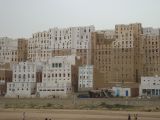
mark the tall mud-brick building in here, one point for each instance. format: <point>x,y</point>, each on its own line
<point>116,55</point>
<point>101,57</point>
<point>22,49</point>
<point>150,54</point>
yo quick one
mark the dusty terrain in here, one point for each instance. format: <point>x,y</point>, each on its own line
<point>79,109</point>
<point>56,114</point>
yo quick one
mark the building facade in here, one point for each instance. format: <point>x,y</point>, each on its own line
<point>151,31</point>
<point>116,55</point>
<point>85,78</point>
<point>59,77</point>
<point>121,91</point>
<point>125,60</point>
<point>8,50</point>
<point>150,86</point>
<point>5,76</point>
<point>101,56</point>
<point>25,75</point>
<point>149,50</point>
<point>58,42</point>
<point>22,50</point>
<point>39,47</point>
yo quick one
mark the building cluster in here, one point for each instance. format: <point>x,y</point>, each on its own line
<point>61,62</point>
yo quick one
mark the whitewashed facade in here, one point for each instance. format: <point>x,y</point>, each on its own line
<point>121,91</point>
<point>57,77</point>
<point>151,31</point>
<point>41,45</point>
<point>71,38</point>
<point>24,80</point>
<point>150,86</point>
<point>8,50</point>
<point>85,78</point>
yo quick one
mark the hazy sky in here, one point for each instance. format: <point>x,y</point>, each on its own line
<point>21,18</point>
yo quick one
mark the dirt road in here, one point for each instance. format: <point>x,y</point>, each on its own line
<point>33,114</point>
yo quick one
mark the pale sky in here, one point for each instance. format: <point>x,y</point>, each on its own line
<point>21,18</point>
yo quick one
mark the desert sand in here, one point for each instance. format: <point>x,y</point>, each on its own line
<point>57,114</point>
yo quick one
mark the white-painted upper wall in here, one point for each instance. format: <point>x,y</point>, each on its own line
<point>25,72</point>
<point>150,86</point>
<point>85,77</point>
<point>151,31</point>
<point>8,49</point>
<point>150,82</point>
<point>42,43</point>
<point>71,38</point>
<point>57,76</point>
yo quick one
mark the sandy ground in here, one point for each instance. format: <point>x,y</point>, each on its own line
<point>33,114</point>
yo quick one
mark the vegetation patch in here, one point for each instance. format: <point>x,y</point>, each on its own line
<point>114,106</point>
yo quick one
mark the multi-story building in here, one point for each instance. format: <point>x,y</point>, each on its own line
<point>149,51</point>
<point>85,78</point>
<point>13,50</point>
<point>150,86</point>
<point>119,57</point>
<point>73,40</point>
<point>25,75</point>
<point>39,47</point>
<point>101,56</point>
<point>58,42</point>
<point>151,31</point>
<point>126,49</point>
<point>116,55</point>
<point>59,77</point>
<point>22,50</point>
<point>8,50</point>
<point>5,76</point>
